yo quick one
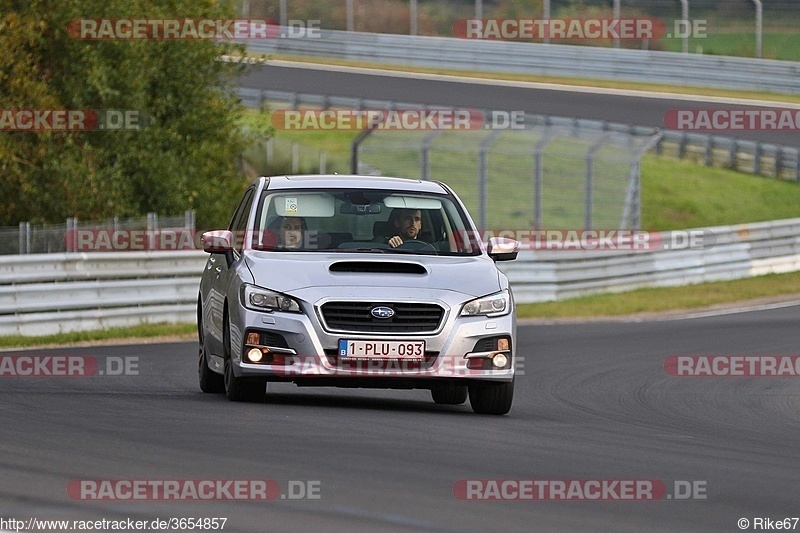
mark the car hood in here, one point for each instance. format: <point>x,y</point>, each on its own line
<point>287,272</point>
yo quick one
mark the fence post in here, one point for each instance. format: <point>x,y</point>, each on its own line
<point>24,238</point>
<point>295,157</point>
<point>424,156</point>
<point>732,155</point>
<point>322,162</point>
<point>72,235</point>
<point>483,179</point>
<point>778,161</point>
<point>152,227</point>
<point>270,149</point>
<point>709,157</point>
<point>589,203</point>
<point>538,176</point>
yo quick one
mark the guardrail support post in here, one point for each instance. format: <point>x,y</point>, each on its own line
<point>778,161</point>
<point>682,146</point>
<point>709,157</point>
<point>757,159</point>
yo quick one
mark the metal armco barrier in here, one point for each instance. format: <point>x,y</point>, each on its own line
<point>53,293</point>
<point>50,293</point>
<point>692,70</point>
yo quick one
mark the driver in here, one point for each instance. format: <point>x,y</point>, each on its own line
<point>408,223</point>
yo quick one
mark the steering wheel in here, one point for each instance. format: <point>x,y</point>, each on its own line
<point>413,244</point>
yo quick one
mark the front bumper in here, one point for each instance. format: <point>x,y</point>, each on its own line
<point>298,348</point>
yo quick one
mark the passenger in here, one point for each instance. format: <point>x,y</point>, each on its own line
<point>292,232</point>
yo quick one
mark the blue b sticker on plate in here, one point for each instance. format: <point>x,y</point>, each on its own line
<point>343,347</point>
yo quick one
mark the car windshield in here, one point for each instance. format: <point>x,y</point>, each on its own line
<point>362,221</point>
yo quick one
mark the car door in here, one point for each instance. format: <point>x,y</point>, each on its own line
<point>224,274</point>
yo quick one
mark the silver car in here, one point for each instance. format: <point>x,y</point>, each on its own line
<point>354,281</point>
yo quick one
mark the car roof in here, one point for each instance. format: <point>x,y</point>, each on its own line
<point>348,181</point>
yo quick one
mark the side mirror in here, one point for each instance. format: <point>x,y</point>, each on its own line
<point>217,242</point>
<point>502,249</point>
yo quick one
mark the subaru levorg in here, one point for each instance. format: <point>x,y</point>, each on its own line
<point>354,281</point>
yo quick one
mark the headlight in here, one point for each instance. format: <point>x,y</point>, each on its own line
<point>259,299</point>
<point>493,305</point>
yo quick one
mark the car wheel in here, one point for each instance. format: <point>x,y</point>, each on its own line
<point>492,399</point>
<point>210,381</point>
<point>241,389</point>
<point>455,395</point>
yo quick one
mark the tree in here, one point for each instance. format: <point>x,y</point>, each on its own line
<point>184,158</point>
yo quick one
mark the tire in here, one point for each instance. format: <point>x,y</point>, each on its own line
<point>210,381</point>
<point>455,395</point>
<point>493,399</point>
<point>241,389</point>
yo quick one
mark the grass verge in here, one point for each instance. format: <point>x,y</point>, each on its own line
<point>135,332</point>
<point>654,300</point>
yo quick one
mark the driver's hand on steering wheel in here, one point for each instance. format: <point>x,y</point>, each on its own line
<point>395,241</point>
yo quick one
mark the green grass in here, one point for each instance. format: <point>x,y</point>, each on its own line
<point>140,331</point>
<point>782,45</point>
<point>678,194</point>
<point>666,299</point>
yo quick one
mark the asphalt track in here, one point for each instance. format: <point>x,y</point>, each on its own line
<point>594,403</point>
<point>599,104</point>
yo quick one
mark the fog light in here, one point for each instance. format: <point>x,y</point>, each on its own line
<point>502,344</point>
<point>499,360</point>
<point>255,355</point>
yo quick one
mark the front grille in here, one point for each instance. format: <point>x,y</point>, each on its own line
<point>408,317</point>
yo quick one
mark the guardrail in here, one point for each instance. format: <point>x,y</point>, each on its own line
<point>729,252</point>
<point>51,293</point>
<point>647,66</point>
<point>711,150</point>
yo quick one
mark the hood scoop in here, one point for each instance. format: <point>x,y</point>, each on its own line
<point>377,267</point>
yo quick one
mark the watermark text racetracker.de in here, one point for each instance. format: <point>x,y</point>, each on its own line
<point>67,366</point>
<point>578,489</point>
<point>736,119</point>
<point>127,29</point>
<point>188,490</point>
<point>604,240</point>
<point>120,524</point>
<point>732,365</point>
<point>38,120</point>
<point>397,119</point>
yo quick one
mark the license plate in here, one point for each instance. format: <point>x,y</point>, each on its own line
<point>382,349</point>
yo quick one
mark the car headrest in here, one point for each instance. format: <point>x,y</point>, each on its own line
<point>384,229</point>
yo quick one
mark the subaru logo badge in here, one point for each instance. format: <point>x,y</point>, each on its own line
<point>382,312</point>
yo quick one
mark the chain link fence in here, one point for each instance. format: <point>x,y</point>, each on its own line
<point>542,176</point>
<point>28,238</point>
